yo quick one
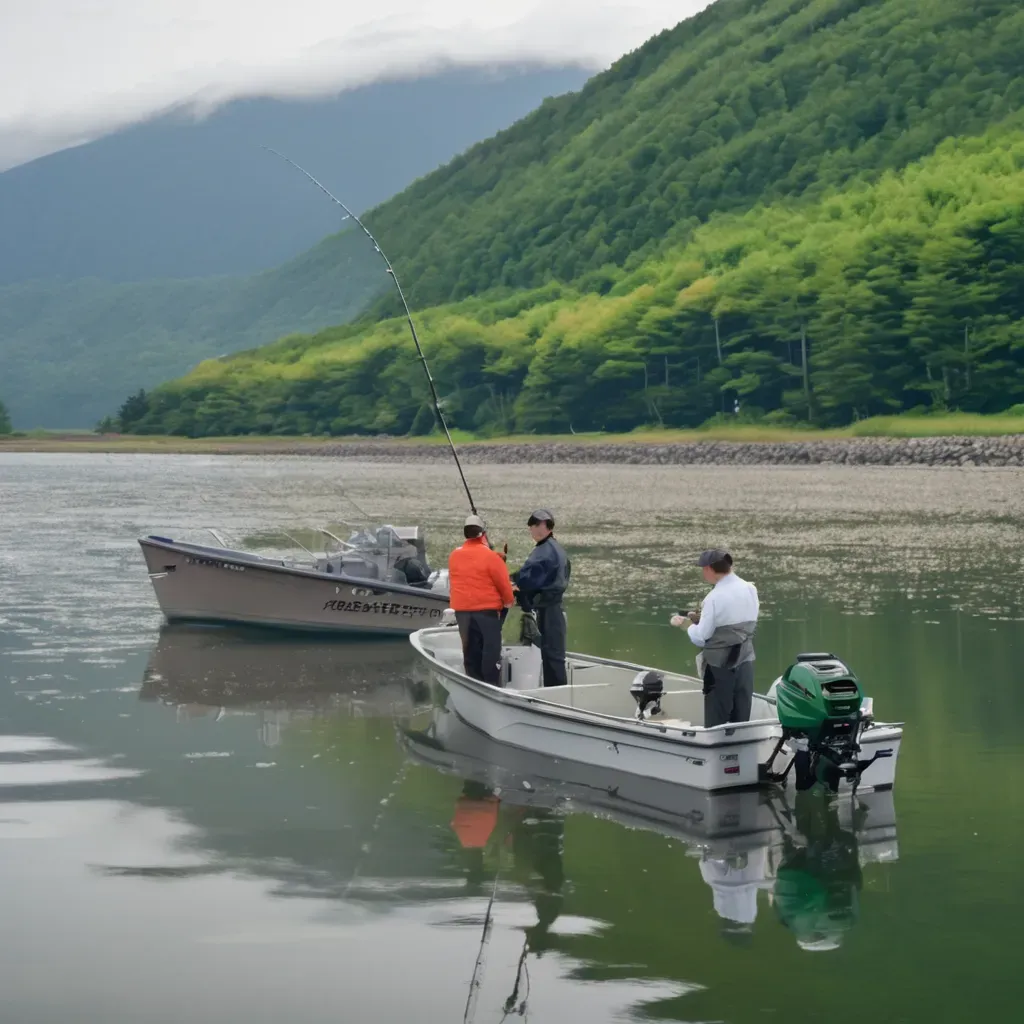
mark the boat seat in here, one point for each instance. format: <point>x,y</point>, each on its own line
<point>361,568</point>
<point>521,668</point>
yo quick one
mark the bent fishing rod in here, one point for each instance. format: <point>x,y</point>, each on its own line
<point>408,314</point>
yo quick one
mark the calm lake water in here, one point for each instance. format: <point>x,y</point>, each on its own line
<point>214,825</point>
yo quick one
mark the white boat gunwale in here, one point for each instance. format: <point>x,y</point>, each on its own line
<point>713,736</point>
<point>253,561</point>
<point>719,735</point>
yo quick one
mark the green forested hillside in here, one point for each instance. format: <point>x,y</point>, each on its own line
<point>836,178</point>
<point>750,101</point>
<point>71,351</point>
<point>908,292</point>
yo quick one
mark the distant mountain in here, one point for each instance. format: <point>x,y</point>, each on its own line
<point>71,351</point>
<point>176,197</point>
<point>105,249</point>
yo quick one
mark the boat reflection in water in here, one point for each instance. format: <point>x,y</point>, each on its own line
<point>220,671</point>
<point>805,851</point>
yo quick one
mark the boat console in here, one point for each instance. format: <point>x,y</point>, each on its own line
<point>392,554</point>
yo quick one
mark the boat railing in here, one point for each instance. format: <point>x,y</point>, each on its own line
<point>343,544</point>
<point>386,555</point>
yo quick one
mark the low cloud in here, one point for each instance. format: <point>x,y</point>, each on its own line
<point>71,71</point>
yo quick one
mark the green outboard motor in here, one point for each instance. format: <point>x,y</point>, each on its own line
<point>819,703</point>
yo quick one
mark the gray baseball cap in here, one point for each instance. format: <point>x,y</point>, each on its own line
<point>475,521</point>
<point>540,515</point>
<point>713,555</point>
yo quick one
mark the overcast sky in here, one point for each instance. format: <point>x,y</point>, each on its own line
<point>74,69</point>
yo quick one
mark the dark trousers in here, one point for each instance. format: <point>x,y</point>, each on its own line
<point>728,694</point>
<point>551,623</point>
<point>481,644</point>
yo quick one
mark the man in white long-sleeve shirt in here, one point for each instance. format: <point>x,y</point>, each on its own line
<point>723,629</point>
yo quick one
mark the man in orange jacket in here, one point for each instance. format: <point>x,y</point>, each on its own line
<point>480,592</point>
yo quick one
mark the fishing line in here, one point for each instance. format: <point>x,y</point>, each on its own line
<point>365,850</point>
<point>522,971</point>
<point>408,314</point>
<point>474,981</point>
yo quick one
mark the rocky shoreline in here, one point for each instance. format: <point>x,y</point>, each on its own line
<point>1003,450</point>
<point>927,451</point>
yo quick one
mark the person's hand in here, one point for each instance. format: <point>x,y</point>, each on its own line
<point>515,588</point>
<point>676,620</point>
<point>694,617</point>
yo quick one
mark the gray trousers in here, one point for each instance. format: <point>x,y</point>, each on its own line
<point>551,623</point>
<point>728,694</point>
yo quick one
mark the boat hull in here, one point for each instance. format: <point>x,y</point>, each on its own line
<point>195,584</point>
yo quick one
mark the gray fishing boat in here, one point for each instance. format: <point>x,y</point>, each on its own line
<point>378,581</point>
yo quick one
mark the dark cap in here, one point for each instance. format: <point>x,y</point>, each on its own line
<point>540,515</point>
<point>714,555</point>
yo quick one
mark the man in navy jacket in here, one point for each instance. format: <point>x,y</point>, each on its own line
<point>540,585</point>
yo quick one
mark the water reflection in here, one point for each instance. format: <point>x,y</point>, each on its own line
<point>249,817</point>
<point>804,854</point>
<point>804,850</point>
<point>811,871</point>
<point>378,803</point>
<point>213,672</point>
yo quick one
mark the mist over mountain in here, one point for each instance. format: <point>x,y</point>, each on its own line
<point>177,197</point>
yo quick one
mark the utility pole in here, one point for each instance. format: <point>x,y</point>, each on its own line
<point>718,346</point>
<point>803,358</point>
<point>967,350</point>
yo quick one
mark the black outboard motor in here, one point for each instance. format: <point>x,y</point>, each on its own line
<point>416,573</point>
<point>647,689</point>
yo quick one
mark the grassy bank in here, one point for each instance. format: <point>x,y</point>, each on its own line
<point>952,425</point>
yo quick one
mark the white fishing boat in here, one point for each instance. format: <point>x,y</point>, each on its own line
<point>636,719</point>
<point>378,581</point>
